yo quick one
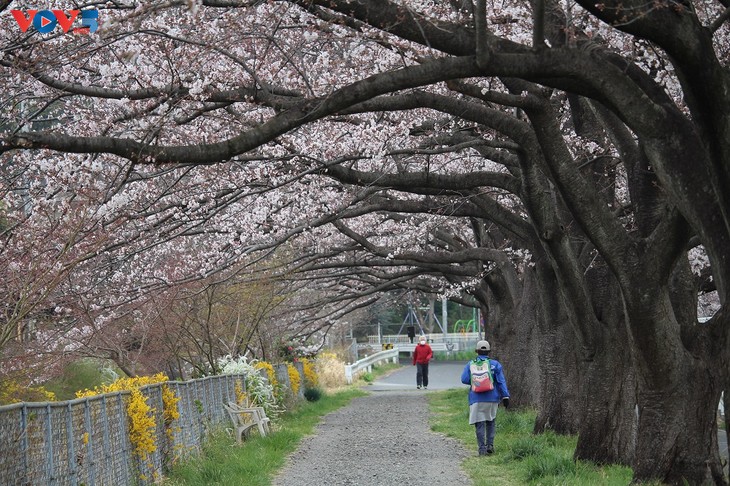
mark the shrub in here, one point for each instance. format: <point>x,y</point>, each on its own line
<point>330,370</point>
<point>367,377</point>
<point>310,374</point>
<point>142,423</point>
<point>257,388</point>
<point>294,378</point>
<point>312,394</point>
<point>13,392</point>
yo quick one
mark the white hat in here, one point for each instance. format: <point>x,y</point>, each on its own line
<point>483,346</point>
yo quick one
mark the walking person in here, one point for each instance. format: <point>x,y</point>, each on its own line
<point>483,401</point>
<point>422,354</point>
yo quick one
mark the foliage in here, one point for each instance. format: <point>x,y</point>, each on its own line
<point>330,370</point>
<point>520,456</point>
<point>294,378</point>
<point>454,356</point>
<point>240,392</point>
<point>287,352</point>
<point>257,460</point>
<point>170,409</point>
<point>141,415</point>
<point>13,392</point>
<point>310,373</point>
<point>141,424</point>
<point>173,160</point>
<point>313,394</point>
<point>270,373</point>
<point>82,374</point>
<point>367,377</point>
<point>258,390</point>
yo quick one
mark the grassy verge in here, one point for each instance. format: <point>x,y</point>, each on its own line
<point>454,356</point>
<point>378,371</point>
<point>520,457</point>
<point>81,375</point>
<point>259,458</point>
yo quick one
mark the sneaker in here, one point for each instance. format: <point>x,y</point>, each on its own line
<point>490,449</point>
<point>425,388</point>
<point>418,387</point>
<point>482,452</point>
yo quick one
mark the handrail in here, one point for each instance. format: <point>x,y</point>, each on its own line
<point>367,363</point>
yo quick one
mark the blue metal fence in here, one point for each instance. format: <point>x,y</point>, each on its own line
<point>86,441</point>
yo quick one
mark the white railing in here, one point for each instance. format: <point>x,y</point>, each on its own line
<point>408,347</point>
<point>351,370</point>
<point>432,338</point>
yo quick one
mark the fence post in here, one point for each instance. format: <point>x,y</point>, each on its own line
<point>90,442</point>
<point>125,453</point>
<point>348,373</point>
<point>49,446</point>
<point>73,470</point>
<point>300,369</point>
<point>106,446</point>
<point>24,436</point>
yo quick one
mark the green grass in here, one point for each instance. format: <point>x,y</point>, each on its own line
<point>454,356</point>
<point>377,371</point>
<point>258,459</point>
<point>80,375</point>
<point>520,457</point>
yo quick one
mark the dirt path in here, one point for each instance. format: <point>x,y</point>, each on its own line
<point>382,439</point>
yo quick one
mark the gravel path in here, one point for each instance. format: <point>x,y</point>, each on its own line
<point>382,439</point>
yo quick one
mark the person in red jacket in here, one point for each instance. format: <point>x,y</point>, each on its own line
<point>422,354</point>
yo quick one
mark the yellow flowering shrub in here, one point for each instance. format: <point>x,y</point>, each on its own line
<point>141,424</point>
<point>263,365</point>
<point>170,411</point>
<point>124,384</point>
<point>239,392</point>
<point>311,380</point>
<point>13,392</point>
<point>294,378</point>
<point>141,415</point>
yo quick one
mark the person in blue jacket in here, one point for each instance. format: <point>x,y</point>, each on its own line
<point>483,405</point>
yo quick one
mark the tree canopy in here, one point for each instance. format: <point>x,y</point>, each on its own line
<point>562,165</point>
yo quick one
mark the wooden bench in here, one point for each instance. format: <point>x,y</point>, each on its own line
<point>245,418</point>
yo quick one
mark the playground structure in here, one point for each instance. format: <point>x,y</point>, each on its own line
<point>464,333</point>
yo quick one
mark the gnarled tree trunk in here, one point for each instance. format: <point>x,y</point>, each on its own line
<point>679,389</point>
<point>560,407</point>
<point>607,434</point>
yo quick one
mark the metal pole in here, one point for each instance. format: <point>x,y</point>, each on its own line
<point>479,322</point>
<point>49,447</point>
<point>474,326</point>
<point>444,317</point>
<point>70,449</point>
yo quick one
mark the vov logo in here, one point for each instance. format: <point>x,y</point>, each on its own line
<point>46,21</point>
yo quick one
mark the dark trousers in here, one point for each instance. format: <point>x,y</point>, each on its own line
<point>422,374</point>
<point>485,434</point>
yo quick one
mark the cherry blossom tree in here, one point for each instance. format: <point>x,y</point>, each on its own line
<point>245,97</point>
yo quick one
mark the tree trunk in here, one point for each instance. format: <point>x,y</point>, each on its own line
<point>518,343</point>
<point>678,395</point>
<point>607,433</point>
<point>725,406</point>
<point>677,434</point>
<point>560,407</point>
